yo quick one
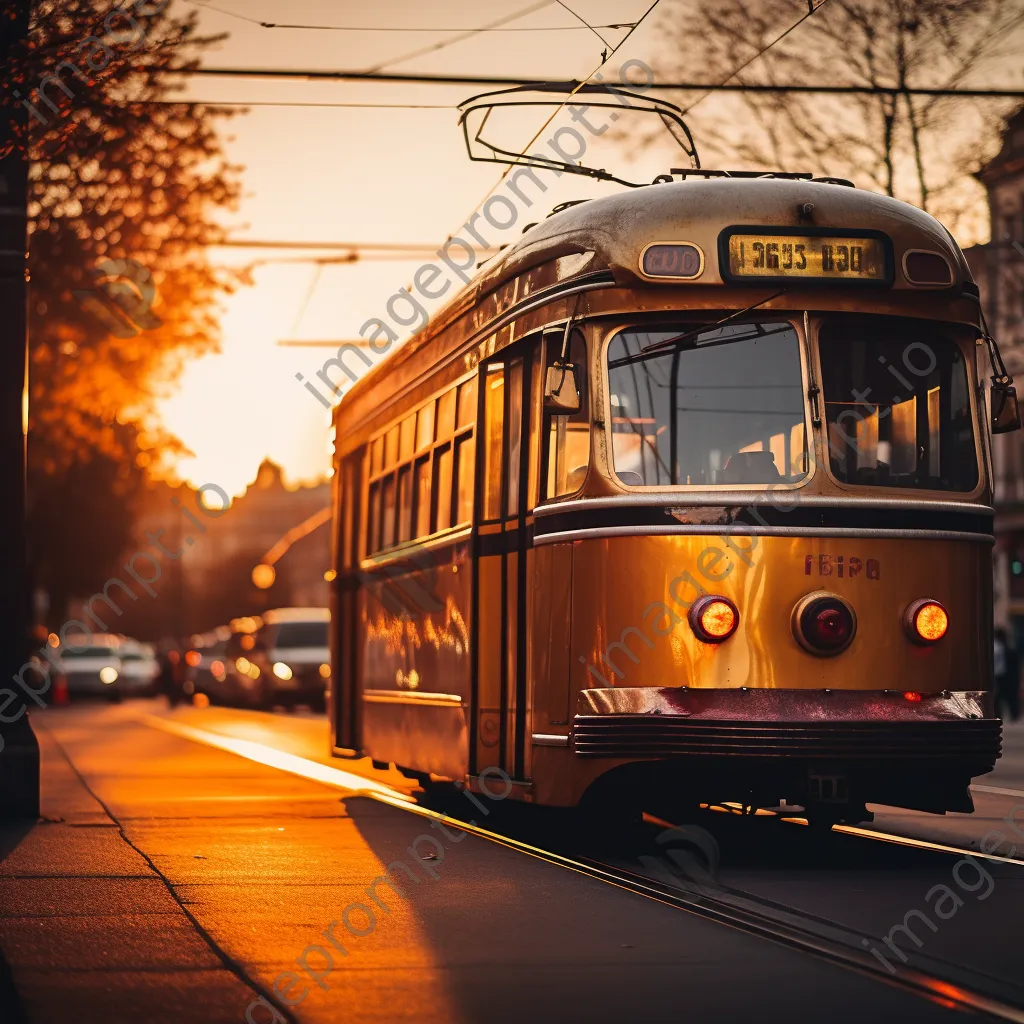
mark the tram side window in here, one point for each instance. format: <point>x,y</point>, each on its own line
<point>568,437</point>
<point>388,531</point>
<point>465,464</point>
<point>422,481</point>
<point>404,504</point>
<point>422,471</point>
<point>897,404</point>
<point>443,479</point>
<point>494,427</point>
<point>373,525</point>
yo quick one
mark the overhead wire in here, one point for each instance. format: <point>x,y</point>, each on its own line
<point>398,28</point>
<point>812,9</point>
<point>299,103</point>
<point>709,87</point>
<point>579,85</point>
<point>304,305</point>
<point>462,36</point>
<point>566,7</point>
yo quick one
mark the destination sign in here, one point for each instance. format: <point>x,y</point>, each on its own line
<point>832,257</point>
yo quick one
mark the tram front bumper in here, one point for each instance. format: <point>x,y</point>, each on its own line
<point>951,727</point>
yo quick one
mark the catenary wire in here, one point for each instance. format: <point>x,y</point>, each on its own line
<point>424,79</point>
<point>812,8</point>
<point>395,28</point>
<point>586,24</point>
<point>579,85</point>
<point>462,36</point>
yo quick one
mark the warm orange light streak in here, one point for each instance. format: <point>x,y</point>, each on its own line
<point>262,754</point>
<point>923,844</point>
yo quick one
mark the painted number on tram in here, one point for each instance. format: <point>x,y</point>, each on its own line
<point>842,566</point>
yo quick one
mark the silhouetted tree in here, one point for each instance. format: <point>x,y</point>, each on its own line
<point>918,148</point>
<point>128,188</point>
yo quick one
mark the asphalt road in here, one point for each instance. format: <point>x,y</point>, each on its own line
<point>193,863</point>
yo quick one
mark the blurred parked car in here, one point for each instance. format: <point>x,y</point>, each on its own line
<point>207,667</point>
<point>242,683</point>
<point>139,668</point>
<point>91,668</point>
<point>290,659</point>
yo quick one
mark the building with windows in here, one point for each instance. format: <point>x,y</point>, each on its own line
<point>998,267</point>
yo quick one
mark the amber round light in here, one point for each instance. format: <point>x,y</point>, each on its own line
<point>714,619</point>
<point>824,624</point>
<point>927,621</point>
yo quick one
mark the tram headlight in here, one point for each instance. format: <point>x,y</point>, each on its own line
<point>824,624</point>
<point>713,619</point>
<point>926,621</point>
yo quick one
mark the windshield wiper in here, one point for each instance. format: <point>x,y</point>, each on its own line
<point>680,339</point>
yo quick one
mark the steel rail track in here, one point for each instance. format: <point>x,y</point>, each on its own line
<point>751,914</point>
<point>729,906</point>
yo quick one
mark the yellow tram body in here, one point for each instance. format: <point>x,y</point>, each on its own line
<point>516,582</point>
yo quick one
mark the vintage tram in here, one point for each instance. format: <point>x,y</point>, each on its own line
<point>687,494</point>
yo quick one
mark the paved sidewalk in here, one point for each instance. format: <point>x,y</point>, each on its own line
<point>90,931</point>
<point>180,871</point>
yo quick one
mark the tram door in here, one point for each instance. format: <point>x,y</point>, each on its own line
<point>508,383</point>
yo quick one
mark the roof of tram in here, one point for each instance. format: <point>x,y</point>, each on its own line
<point>611,233</point>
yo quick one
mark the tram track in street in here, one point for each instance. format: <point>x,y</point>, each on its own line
<point>932,978</point>
<point>940,981</point>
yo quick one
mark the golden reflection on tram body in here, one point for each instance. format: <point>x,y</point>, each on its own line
<point>586,446</point>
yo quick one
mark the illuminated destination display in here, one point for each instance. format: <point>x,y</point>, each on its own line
<point>833,257</point>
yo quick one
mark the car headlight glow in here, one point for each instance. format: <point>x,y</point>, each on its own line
<point>282,671</point>
<point>108,674</point>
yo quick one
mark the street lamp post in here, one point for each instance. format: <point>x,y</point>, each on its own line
<point>19,757</point>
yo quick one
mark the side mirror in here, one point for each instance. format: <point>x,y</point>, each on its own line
<point>1005,410</point>
<point>561,389</point>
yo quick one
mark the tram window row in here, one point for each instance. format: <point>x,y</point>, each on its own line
<point>420,471</point>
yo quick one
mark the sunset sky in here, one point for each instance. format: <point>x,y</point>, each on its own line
<point>330,174</point>
<point>381,174</point>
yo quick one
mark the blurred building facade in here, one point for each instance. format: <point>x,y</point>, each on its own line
<point>211,582</point>
<point>998,267</point>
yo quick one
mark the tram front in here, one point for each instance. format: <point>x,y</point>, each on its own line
<point>781,558</point>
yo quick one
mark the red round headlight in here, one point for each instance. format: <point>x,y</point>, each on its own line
<point>713,619</point>
<point>824,624</point>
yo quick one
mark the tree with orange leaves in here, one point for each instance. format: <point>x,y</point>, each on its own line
<point>127,190</point>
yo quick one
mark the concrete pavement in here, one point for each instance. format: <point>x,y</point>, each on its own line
<point>91,931</point>
<point>184,882</point>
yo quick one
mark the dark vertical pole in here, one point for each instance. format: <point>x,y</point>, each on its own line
<point>19,758</point>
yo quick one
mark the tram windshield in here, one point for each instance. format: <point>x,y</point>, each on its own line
<point>897,403</point>
<point>707,406</point>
